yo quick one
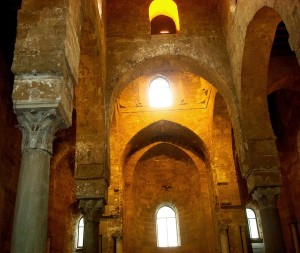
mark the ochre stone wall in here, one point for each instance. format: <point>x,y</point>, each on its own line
<point>10,136</point>
<point>10,156</point>
<point>195,108</point>
<point>63,207</point>
<point>167,165</point>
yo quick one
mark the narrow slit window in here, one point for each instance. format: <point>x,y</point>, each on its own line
<point>252,223</point>
<point>167,229</point>
<point>80,232</point>
<point>160,94</point>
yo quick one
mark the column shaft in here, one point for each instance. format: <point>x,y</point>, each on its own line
<point>295,237</point>
<point>224,241</point>
<point>92,210</point>
<point>273,237</point>
<point>119,244</point>
<point>270,220</point>
<point>31,211</point>
<point>91,236</point>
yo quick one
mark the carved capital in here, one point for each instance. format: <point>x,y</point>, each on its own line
<point>92,209</point>
<point>38,129</point>
<point>223,228</point>
<point>266,197</point>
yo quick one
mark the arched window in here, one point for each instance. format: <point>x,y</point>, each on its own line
<point>80,231</point>
<point>160,93</point>
<point>166,227</point>
<point>163,15</point>
<point>252,223</point>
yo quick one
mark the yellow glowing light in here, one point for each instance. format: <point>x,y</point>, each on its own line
<point>164,7</point>
<point>160,94</point>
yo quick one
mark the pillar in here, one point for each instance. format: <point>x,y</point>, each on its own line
<point>224,239</point>
<point>31,211</point>
<point>244,238</point>
<point>295,237</point>
<point>92,210</point>
<point>119,244</point>
<point>45,66</point>
<point>272,231</point>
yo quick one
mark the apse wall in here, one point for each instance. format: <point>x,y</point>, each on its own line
<point>166,175</point>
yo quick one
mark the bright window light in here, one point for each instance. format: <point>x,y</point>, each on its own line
<point>167,233</point>
<point>252,224</point>
<point>160,93</point>
<point>80,233</point>
<point>164,7</point>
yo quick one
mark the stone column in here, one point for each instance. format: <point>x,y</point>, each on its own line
<point>295,237</point>
<point>31,211</point>
<point>244,238</point>
<point>224,239</point>
<point>272,231</point>
<point>92,210</point>
<point>119,244</point>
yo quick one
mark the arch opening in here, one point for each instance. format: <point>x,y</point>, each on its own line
<point>164,18</point>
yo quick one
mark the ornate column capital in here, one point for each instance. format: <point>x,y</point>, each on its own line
<point>266,197</point>
<point>92,209</point>
<point>38,129</point>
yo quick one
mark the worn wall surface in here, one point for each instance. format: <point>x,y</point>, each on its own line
<point>10,137</point>
<point>167,165</point>
<point>196,122</point>
<point>63,207</point>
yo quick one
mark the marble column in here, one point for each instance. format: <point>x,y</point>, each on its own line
<point>31,211</point>
<point>224,239</point>
<point>271,226</point>
<point>92,209</point>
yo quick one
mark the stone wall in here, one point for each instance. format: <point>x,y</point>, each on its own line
<point>136,130</point>
<point>63,207</point>
<point>188,192</point>
<point>10,137</point>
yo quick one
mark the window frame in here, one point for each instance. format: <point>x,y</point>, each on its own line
<point>166,89</point>
<point>78,232</point>
<point>249,225</point>
<point>173,208</point>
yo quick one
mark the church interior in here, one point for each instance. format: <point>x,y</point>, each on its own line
<point>150,126</point>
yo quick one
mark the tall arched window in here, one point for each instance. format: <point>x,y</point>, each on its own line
<point>167,229</point>
<point>160,94</point>
<point>80,231</point>
<point>252,223</point>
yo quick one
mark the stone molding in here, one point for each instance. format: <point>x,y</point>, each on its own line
<point>266,197</point>
<point>38,129</point>
<point>92,209</point>
<point>263,177</point>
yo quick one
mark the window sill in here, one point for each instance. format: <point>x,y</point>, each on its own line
<point>258,240</point>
